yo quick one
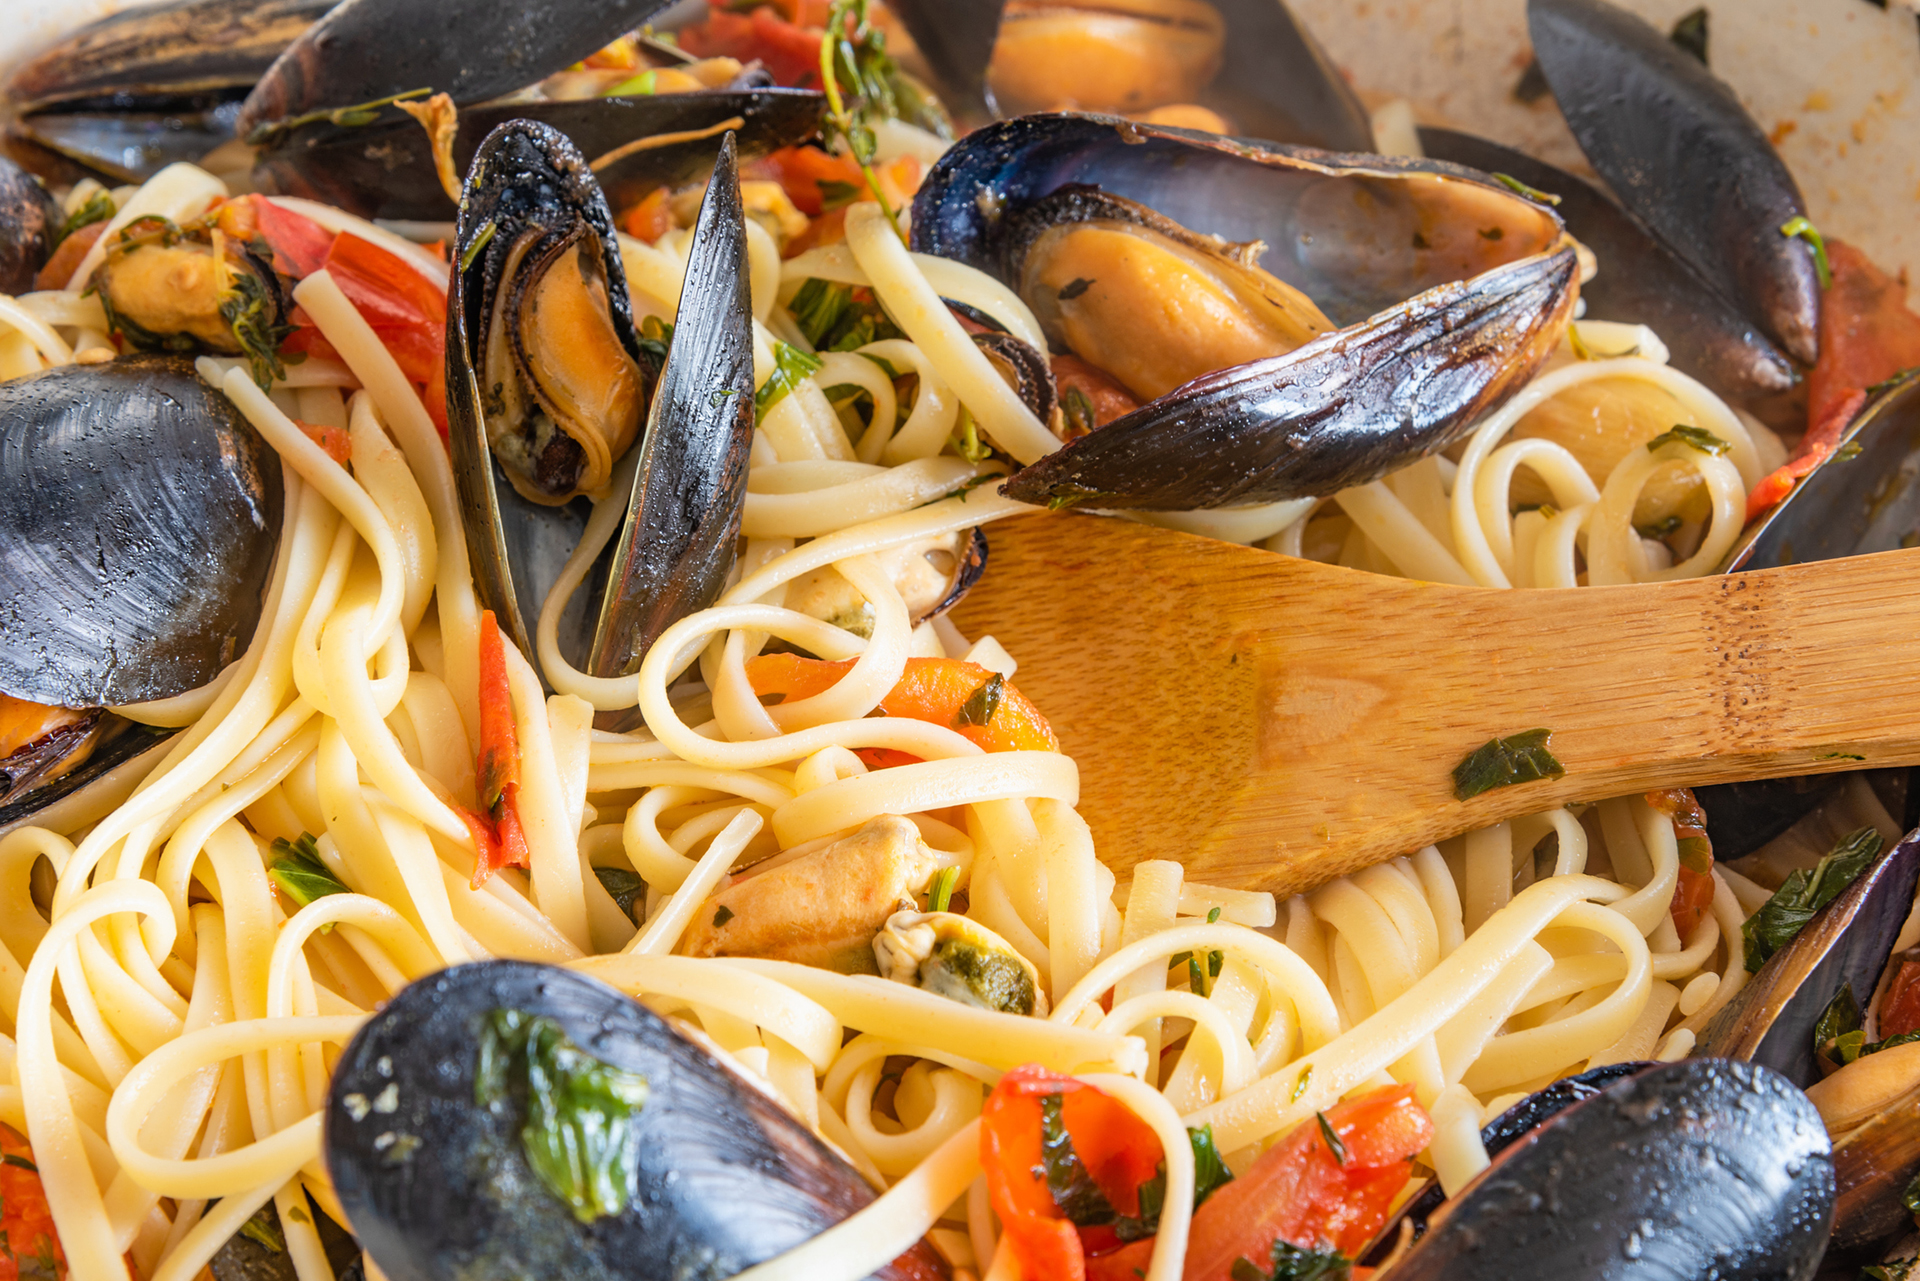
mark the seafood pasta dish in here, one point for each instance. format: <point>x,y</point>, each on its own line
<point>499,779</point>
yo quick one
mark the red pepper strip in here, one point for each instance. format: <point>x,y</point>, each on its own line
<point>334,440</point>
<point>1118,1149</point>
<point>1300,1191</point>
<point>930,689</point>
<point>790,52</point>
<point>1900,1011</point>
<point>497,764</point>
<point>407,311</point>
<point>1693,892</point>
<point>1867,335</point>
<point>300,245</point>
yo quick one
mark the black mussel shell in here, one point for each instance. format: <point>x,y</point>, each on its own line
<point>1356,233</point>
<point>527,178</point>
<point>437,1186</point>
<point>367,50</point>
<point>139,513</point>
<point>956,39</point>
<point>385,170</point>
<point>972,566</point>
<point>683,521</point>
<point>1771,1020</point>
<point>1680,151</point>
<point>30,221</point>
<point>123,754</point>
<point>1345,409</point>
<point>127,95</point>
<point>1023,368</point>
<point>1640,279</point>
<point>1742,817</point>
<point>1687,1170</point>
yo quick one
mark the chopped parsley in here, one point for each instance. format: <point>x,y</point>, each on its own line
<point>1692,437</point>
<point>791,367</point>
<point>1503,762</point>
<point>1802,895</point>
<point>578,1136</point>
<point>1296,1263</point>
<point>721,915</point>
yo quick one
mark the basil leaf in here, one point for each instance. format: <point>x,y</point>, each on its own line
<point>299,871</point>
<point>578,1135</point>
<point>264,1229</point>
<point>1074,1192</point>
<point>99,208</point>
<point>983,703</point>
<point>1296,1263</point>
<point>1802,895</point>
<point>1210,1174</point>
<point>1503,762</point>
<point>818,307</point>
<point>791,367</point>
<point>625,888</point>
<point>835,194</point>
<point>1841,1018</point>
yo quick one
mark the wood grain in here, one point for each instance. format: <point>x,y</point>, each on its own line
<point>1273,722</point>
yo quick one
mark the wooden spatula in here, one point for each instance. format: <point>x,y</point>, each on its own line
<point>1273,722</point>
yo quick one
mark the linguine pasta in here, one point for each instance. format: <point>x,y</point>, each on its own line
<point>173,1016</point>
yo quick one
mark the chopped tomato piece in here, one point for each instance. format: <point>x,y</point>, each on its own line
<point>334,440</point>
<point>1867,335</point>
<point>66,259</point>
<point>1693,892</point>
<point>651,218</point>
<point>939,690</point>
<point>789,49</point>
<point>29,1243</point>
<point>1302,1191</point>
<point>298,244</point>
<point>407,311</point>
<point>1900,1010</point>
<point>1090,397</point>
<point>1117,1150</point>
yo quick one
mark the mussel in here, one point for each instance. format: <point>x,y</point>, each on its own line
<point>1639,278</point>
<point>1698,1169</point>
<point>1250,64</point>
<point>443,1104</point>
<point>1680,151</point>
<point>33,220</point>
<point>548,385</point>
<point>1451,288</point>
<point>323,118</point>
<point>127,95</point>
<point>141,514</point>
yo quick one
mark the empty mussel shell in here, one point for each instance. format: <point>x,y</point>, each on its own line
<point>1680,151</point>
<point>438,1185</point>
<point>139,513</point>
<point>1701,1168</point>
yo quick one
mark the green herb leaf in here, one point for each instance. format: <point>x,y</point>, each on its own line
<point>578,1134</point>
<point>1074,1192</point>
<point>1296,1263</point>
<point>98,208</point>
<point>1210,1174</point>
<point>1503,762</point>
<point>835,194</point>
<point>1659,529</point>
<point>1802,895</point>
<point>19,1162</point>
<point>643,85</point>
<point>1848,452</point>
<point>1841,1016</point>
<point>1910,1199</point>
<point>656,339</point>
<point>1334,1145</point>
<point>983,703</point>
<point>1300,1086</point>
<point>1692,437</point>
<point>1213,915</point>
<point>791,367</point>
<point>299,871</point>
<point>818,308</point>
<point>1519,188</point>
<point>940,893</point>
<point>250,314</point>
<point>721,915</point>
<point>1801,228</point>
<point>1079,411</point>
<point>966,439</point>
<point>264,1229</point>
<point>625,888</point>
<point>481,239</point>
<point>853,57</point>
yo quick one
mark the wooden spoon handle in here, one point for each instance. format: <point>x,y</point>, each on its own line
<point>1274,722</point>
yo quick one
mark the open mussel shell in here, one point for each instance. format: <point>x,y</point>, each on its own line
<point>1771,1020</point>
<point>386,170</point>
<point>1744,816</point>
<point>1872,1168</point>
<point>31,219</point>
<point>1453,289</point>
<point>1274,79</point>
<point>1701,1168</point>
<point>140,513</point>
<point>677,544</point>
<point>1680,151</point>
<point>436,1185</point>
<point>131,93</point>
<point>1640,279</point>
